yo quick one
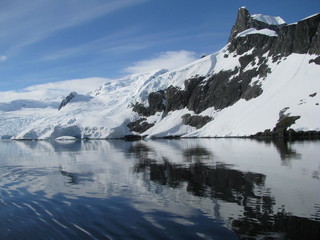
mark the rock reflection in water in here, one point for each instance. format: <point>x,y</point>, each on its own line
<point>219,181</point>
<point>286,152</point>
<point>75,178</point>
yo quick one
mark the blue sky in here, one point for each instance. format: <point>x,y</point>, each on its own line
<point>45,41</point>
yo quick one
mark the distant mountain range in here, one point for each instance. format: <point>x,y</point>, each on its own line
<point>263,82</point>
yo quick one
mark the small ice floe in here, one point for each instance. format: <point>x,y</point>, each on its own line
<point>66,138</point>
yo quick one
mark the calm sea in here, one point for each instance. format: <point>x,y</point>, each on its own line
<point>159,189</point>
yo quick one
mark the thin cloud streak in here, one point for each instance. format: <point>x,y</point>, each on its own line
<point>123,42</point>
<point>98,46</point>
<point>30,23</point>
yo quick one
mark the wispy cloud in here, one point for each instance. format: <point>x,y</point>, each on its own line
<point>53,89</point>
<point>28,22</point>
<point>3,58</point>
<point>101,45</point>
<point>165,60</point>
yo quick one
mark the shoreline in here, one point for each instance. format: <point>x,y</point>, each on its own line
<point>267,135</point>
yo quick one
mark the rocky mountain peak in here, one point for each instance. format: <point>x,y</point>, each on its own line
<point>241,24</point>
<point>246,21</point>
<point>267,33</point>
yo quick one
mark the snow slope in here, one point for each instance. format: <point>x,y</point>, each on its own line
<point>271,20</point>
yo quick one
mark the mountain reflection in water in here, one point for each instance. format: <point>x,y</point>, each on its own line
<point>219,181</point>
<point>164,189</point>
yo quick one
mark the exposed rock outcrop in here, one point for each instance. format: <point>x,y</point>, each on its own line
<point>282,129</point>
<point>258,42</point>
<point>245,21</point>
<point>316,60</point>
<point>176,98</point>
<point>67,99</point>
<point>284,122</point>
<point>195,121</point>
<point>140,125</point>
<point>156,101</point>
<point>301,37</point>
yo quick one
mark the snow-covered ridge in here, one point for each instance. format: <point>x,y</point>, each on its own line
<point>311,16</point>
<point>265,31</point>
<point>271,20</point>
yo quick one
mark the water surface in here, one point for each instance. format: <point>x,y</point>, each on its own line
<point>164,189</point>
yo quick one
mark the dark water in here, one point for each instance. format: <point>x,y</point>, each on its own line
<point>164,189</point>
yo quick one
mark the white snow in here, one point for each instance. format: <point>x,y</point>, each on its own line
<point>171,125</point>
<point>311,16</point>
<point>265,31</point>
<point>271,20</point>
<point>65,138</point>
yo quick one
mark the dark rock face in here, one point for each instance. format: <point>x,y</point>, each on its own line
<point>315,44</point>
<point>140,125</point>
<point>223,89</point>
<point>195,121</point>
<point>217,92</point>
<point>316,60</point>
<point>176,98</point>
<point>156,102</point>
<point>67,99</point>
<point>303,37</point>
<point>141,109</point>
<point>259,42</point>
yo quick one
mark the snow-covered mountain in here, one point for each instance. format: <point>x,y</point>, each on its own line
<point>266,77</point>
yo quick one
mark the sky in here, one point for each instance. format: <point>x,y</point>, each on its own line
<point>71,41</point>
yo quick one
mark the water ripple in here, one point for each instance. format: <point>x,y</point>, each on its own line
<point>157,190</point>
